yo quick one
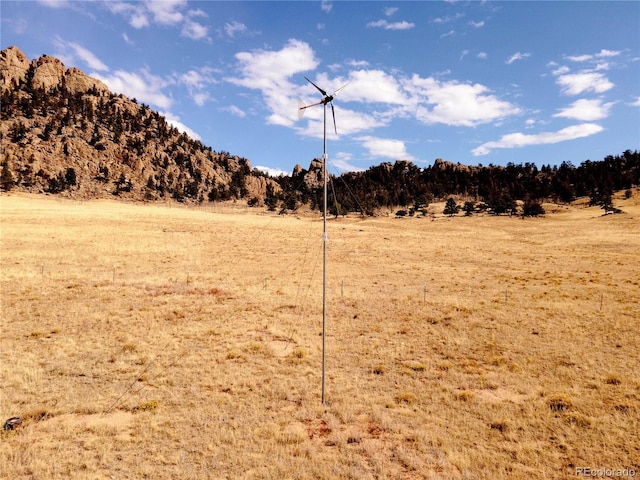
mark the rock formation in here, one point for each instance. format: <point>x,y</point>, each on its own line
<point>64,132</point>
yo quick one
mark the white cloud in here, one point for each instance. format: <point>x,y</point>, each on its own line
<point>517,140</point>
<point>174,121</point>
<point>269,71</point>
<point>404,25</point>
<point>193,79</point>
<point>383,96</point>
<point>577,83</point>
<point>342,161</point>
<point>389,11</point>
<point>579,58</point>
<point>482,55</point>
<point>143,86</point>
<point>374,86</point>
<point>517,56</point>
<point>196,81</point>
<point>453,18</point>
<point>561,70</point>
<point>588,57</point>
<point>385,147</point>
<point>233,28</point>
<point>348,122</point>
<point>608,53</point>
<point>477,24</point>
<point>235,111</point>
<point>200,98</point>
<point>164,13</point>
<point>326,6</point>
<point>139,20</point>
<point>455,103</point>
<point>357,63</point>
<point>55,3</point>
<point>274,172</point>
<point>195,31</point>
<point>264,69</point>
<point>70,52</point>
<point>635,103</point>
<point>586,110</point>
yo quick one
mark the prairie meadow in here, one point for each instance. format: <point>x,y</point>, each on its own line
<point>160,341</point>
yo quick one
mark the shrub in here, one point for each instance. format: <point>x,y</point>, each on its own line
<point>6,178</point>
<point>532,208</point>
<point>559,403</point>
<point>149,406</point>
<point>407,398</point>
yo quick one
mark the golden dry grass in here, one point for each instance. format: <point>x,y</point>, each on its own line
<point>143,341</point>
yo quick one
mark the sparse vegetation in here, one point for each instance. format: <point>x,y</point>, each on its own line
<point>145,375</point>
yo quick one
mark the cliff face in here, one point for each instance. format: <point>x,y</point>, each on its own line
<point>65,132</point>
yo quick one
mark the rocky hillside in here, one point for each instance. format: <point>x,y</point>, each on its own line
<point>65,132</point>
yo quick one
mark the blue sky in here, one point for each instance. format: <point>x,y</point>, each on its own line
<point>469,82</point>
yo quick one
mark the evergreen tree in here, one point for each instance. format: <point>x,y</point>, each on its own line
<point>532,208</point>
<point>468,208</point>
<point>6,178</point>
<point>451,208</point>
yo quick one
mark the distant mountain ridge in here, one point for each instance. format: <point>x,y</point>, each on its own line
<point>65,132</point>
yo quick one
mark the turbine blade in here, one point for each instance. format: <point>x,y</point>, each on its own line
<point>336,92</point>
<point>319,89</point>
<point>333,112</point>
<point>308,106</point>
<point>301,109</point>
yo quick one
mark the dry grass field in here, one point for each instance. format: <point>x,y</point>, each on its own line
<point>161,342</point>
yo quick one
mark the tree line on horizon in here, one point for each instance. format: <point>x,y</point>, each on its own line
<point>491,188</point>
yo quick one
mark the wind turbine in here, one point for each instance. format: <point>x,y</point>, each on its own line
<point>301,109</point>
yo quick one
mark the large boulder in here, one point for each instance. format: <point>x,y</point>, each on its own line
<point>14,66</point>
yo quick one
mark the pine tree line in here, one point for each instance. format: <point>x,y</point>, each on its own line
<point>492,188</point>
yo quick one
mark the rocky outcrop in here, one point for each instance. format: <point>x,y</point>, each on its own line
<point>46,73</point>
<point>14,66</point>
<point>314,178</point>
<point>441,164</point>
<point>76,81</point>
<point>64,132</point>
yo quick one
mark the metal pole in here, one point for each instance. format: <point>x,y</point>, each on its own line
<point>324,255</point>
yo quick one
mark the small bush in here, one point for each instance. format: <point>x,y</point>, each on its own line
<point>559,403</point>
<point>578,419</point>
<point>417,366</point>
<point>297,356</point>
<point>149,406</point>
<point>501,426</point>
<point>234,355</point>
<point>407,398</point>
<point>465,396</point>
<point>612,379</point>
